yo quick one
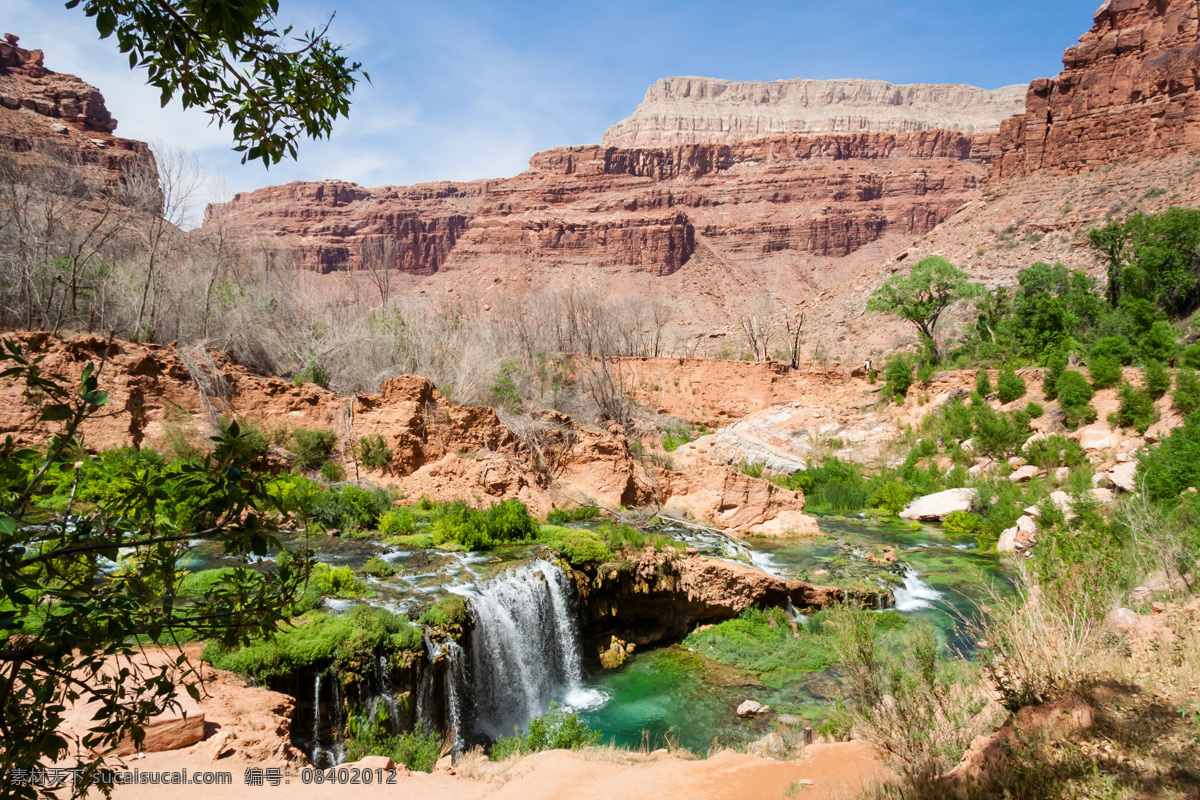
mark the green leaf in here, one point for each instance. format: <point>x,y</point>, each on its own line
<point>56,413</point>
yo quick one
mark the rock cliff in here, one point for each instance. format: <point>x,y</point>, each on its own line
<point>643,210</point>
<point>51,117</point>
<point>1128,90</point>
<point>691,110</point>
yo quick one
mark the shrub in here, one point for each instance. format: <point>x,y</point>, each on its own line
<point>561,516</point>
<point>1056,365</point>
<point>1186,396</point>
<point>473,529</point>
<point>557,729</point>
<point>376,567</point>
<point>351,507</point>
<point>397,522</point>
<point>333,472</point>
<point>892,497</point>
<point>963,522</point>
<point>998,435</point>
<point>1173,465</point>
<point>1191,356</point>
<point>1010,385</point>
<point>577,546</point>
<point>1105,372</point>
<point>417,750</point>
<point>1160,343</point>
<point>447,611</point>
<point>898,375</point>
<point>372,451</point>
<point>312,447</point>
<point>1055,451</point>
<point>1136,409</point>
<point>1157,380</point>
<point>337,581</point>
<point>504,391</point>
<point>925,372</point>
<point>1075,394</point>
<point>1112,348</point>
<point>983,383</point>
<point>1034,410</point>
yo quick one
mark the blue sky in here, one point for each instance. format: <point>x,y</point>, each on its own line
<point>465,90</point>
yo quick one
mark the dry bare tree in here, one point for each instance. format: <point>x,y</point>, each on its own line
<point>760,324</point>
<point>793,329</point>
<point>379,260</point>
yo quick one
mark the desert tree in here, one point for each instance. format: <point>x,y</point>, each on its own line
<point>759,320</point>
<point>923,294</point>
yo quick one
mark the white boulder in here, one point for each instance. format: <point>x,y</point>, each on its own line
<point>939,505</point>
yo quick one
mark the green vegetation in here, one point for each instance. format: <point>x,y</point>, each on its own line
<point>1186,396</point>
<point>416,750</point>
<point>920,297</point>
<point>898,376</point>
<point>1157,380</point>
<point>473,529</point>
<point>1009,385</point>
<point>557,729</point>
<point>579,547</point>
<point>376,567</point>
<point>983,383</point>
<point>349,508</point>
<point>1136,410</point>
<point>372,451</point>
<point>1153,259</point>
<point>447,612</point>
<point>1171,467</point>
<point>560,516</point>
<point>312,447</point>
<point>346,642</point>
<point>1075,396</point>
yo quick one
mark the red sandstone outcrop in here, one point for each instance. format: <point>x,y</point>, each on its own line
<point>439,448</point>
<point>693,110</point>
<point>48,116</point>
<point>782,198</point>
<point>1128,90</point>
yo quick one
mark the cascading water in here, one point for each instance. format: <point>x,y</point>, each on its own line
<point>387,692</point>
<point>455,677</point>
<point>524,648</point>
<point>335,753</point>
<point>426,714</point>
<point>916,594</point>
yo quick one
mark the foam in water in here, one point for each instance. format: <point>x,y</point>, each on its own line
<point>524,648</point>
<point>916,594</point>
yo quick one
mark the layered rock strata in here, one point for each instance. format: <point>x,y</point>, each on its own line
<point>1128,90</point>
<point>642,210</point>
<point>692,110</point>
<point>51,119</point>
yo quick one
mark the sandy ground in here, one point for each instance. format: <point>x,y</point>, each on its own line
<point>837,770</point>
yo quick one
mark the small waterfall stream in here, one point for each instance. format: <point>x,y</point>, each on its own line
<point>524,648</point>
<point>916,594</point>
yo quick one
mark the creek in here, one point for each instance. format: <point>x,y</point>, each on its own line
<point>523,648</point>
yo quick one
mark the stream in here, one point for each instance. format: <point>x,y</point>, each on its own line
<point>524,650</point>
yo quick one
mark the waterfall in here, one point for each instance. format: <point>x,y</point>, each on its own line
<point>916,594</point>
<point>338,751</point>
<point>426,702</point>
<point>386,692</point>
<point>455,677</point>
<point>316,734</point>
<point>524,647</point>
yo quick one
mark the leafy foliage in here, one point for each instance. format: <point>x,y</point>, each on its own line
<point>1186,396</point>
<point>226,57</point>
<point>1075,396</point>
<point>372,451</point>
<point>473,529</point>
<point>1173,465</point>
<point>557,729</point>
<point>1010,386</point>
<point>1154,258</point>
<point>1157,380</point>
<point>71,600</point>
<point>898,375</point>
<point>931,286</point>
<point>312,447</point>
<point>1136,409</point>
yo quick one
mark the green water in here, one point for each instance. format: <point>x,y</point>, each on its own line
<point>651,700</point>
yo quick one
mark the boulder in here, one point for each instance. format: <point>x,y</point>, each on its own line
<point>1103,496</point>
<point>1123,476</point>
<point>1016,462</point>
<point>1037,437</point>
<point>1097,439</point>
<point>377,762</point>
<point>1122,620</point>
<point>1061,474</point>
<point>1024,474</point>
<point>1008,541</point>
<point>1026,524</point>
<point>1101,480</point>
<point>445,764</point>
<point>941,504</point>
<point>750,708</point>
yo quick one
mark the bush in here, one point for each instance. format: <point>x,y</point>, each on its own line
<point>1112,348</point>
<point>1056,365</point>
<point>1075,394</point>
<point>925,372</point>
<point>1157,381</point>
<point>1136,409</point>
<point>1034,410</point>
<point>561,516</point>
<point>351,507</point>
<point>1191,356</point>
<point>397,522</point>
<point>1055,451</point>
<point>998,435</point>
<point>333,472</point>
<point>1186,396</point>
<point>557,729</point>
<point>320,640</point>
<point>578,547</point>
<point>336,581</point>
<point>1160,343</point>
<point>312,447</point>
<point>417,750</point>
<point>898,375</point>
<point>963,522</point>
<point>983,383</point>
<point>372,451</point>
<point>1010,385</point>
<point>473,529</point>
<point>447,611</point>
<point>1173,465</point>
<point>892,497</point>
<point>1105,372</point>
<point>376,567</point>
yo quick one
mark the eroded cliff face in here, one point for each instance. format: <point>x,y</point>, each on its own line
<point>50,117</point>
<point>643,210</point>
<point>1128,90</point>
<point>691,110</point>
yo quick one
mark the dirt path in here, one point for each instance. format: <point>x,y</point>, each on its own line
<point>836,770</point>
